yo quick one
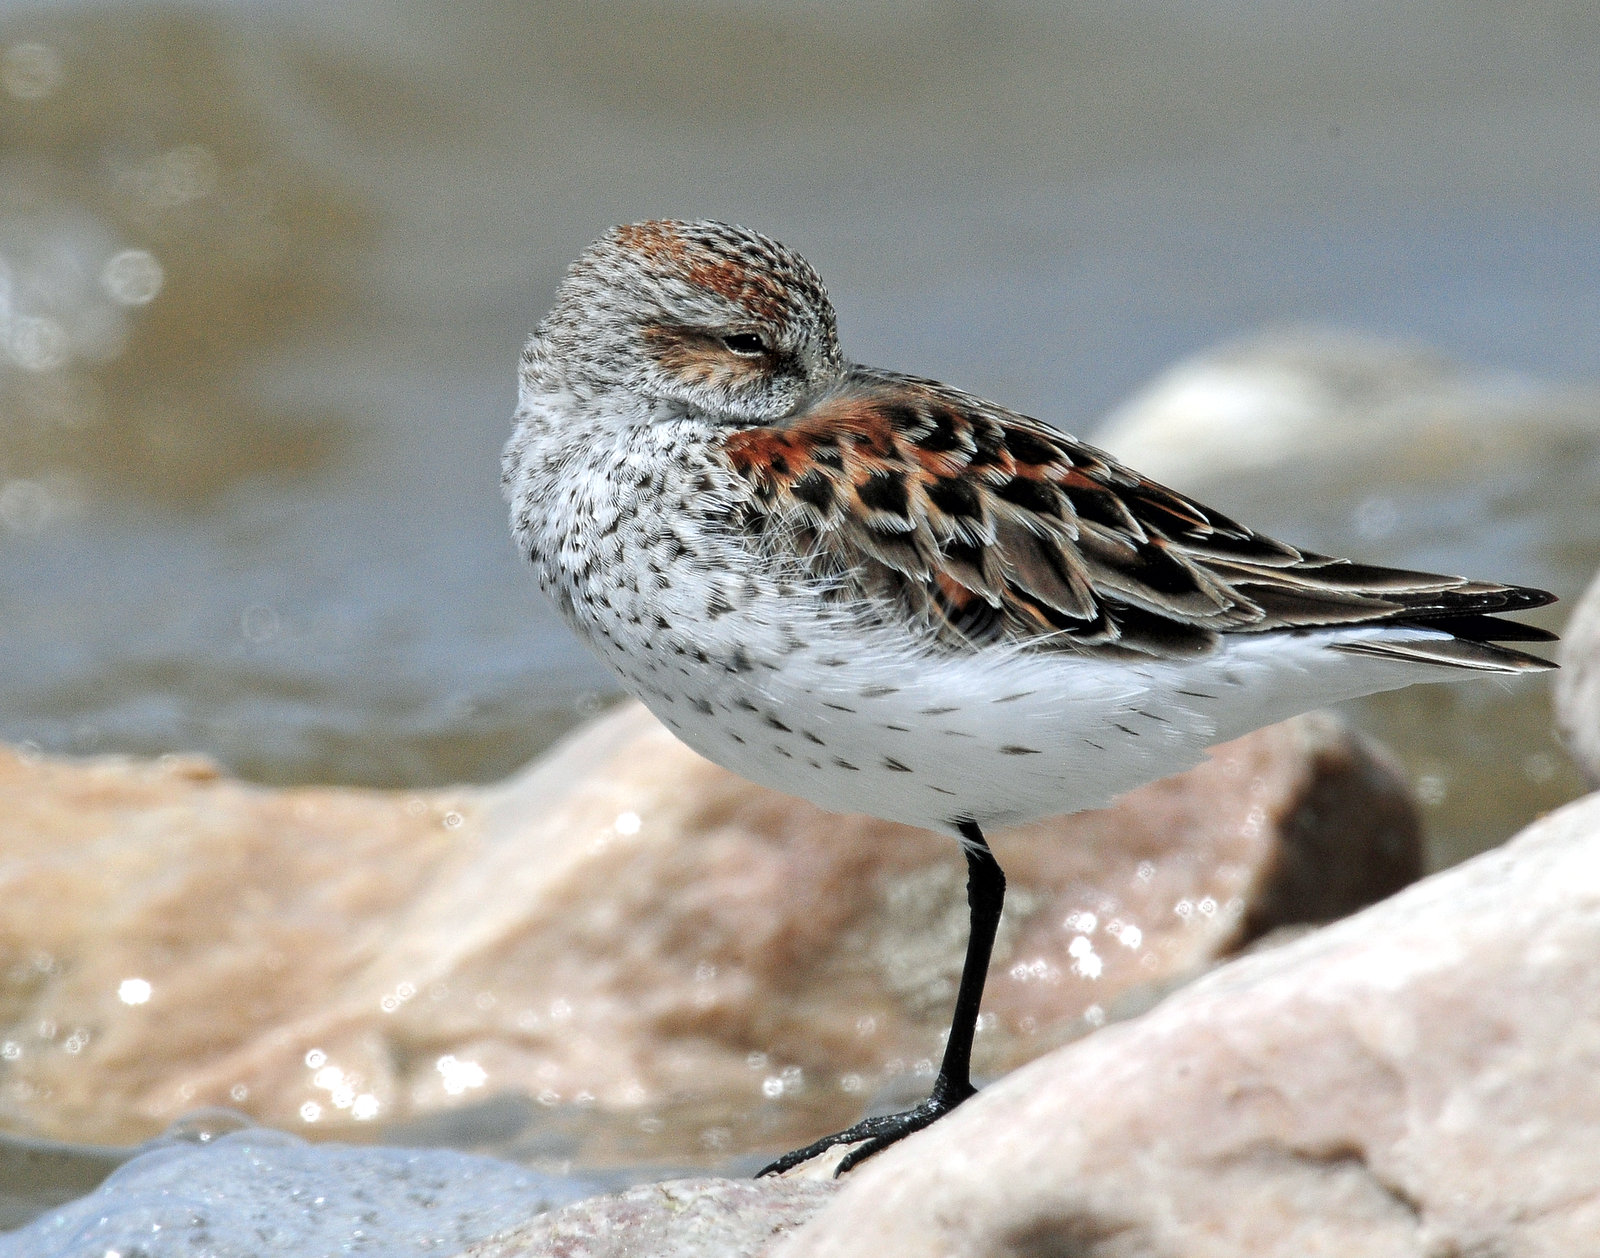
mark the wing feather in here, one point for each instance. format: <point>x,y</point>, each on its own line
<point>993,527</point>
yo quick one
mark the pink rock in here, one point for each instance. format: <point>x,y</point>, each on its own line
<point>687,1218</point>
<point>679,965</point>
<point>1414,1081</point>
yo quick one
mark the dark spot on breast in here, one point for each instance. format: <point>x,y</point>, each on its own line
<point>779,464</point>
<point>838,707</point>
<point>778,725</point>
<point>1012,749</point>
<point>810,737</point>
<point>845,764</point>
<point>1021,694</point>
<point>702,707</point>
<point>935,711</point>
<point>878,692</point>
<point>889,762</point>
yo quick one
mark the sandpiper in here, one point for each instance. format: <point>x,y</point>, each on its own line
<point>892,597</point>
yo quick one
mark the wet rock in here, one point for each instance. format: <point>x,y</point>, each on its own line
<point>264,1192</point>
<point>1414,1080</point>
<point>652,959</point>
<point>1578,686</point>
<point>704,1218</point>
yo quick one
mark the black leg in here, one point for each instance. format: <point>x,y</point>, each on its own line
<point>986,893</point>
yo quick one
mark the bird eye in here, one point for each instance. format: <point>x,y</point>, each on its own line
<point>745,344</point>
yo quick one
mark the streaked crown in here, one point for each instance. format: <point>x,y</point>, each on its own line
<point>718,319</point>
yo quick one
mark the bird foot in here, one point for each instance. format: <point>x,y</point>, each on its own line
<point>873,1135</point>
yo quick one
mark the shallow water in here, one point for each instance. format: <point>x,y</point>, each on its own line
<point>264,271</point>
<point>257,515</point>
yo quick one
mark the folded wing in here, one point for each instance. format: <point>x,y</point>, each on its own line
<point>986,526</point>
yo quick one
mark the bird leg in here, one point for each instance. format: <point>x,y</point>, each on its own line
<point>986,893</point>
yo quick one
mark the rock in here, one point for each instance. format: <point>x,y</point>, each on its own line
<point>263,1192</point>
<point>690,1218</point>
<point>1340,402</point>
<point>662,961</point>
<point>1417,1080</point>
<point>1578,686</point>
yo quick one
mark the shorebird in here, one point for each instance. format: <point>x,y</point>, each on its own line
<point>892,597</point>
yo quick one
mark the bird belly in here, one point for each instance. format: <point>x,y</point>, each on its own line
<point>998,737</point>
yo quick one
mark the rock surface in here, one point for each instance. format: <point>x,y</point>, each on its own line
<point>258,1192</point>
<point>691,1218</point>
<point>1414,1081</point>
<point>622,927</point>
<point>1286,399</point>
<point>1578,686</point>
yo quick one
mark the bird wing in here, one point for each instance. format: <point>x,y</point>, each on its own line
<point>989,526</point>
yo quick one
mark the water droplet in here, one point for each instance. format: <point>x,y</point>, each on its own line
<point>134,991</point>
<point>458,1076</point>
<point>132,277</point>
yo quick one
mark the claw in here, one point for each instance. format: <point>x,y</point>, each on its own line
<point>872,1134</point>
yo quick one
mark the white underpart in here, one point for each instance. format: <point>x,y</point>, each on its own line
<point>1005,736</point>
<point>751,668</point>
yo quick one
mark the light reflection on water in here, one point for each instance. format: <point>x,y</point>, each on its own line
<point>263,276</point>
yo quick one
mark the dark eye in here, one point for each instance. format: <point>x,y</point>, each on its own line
<point>745,344</point>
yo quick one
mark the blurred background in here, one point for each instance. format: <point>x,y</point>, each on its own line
<point>265,269</point>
